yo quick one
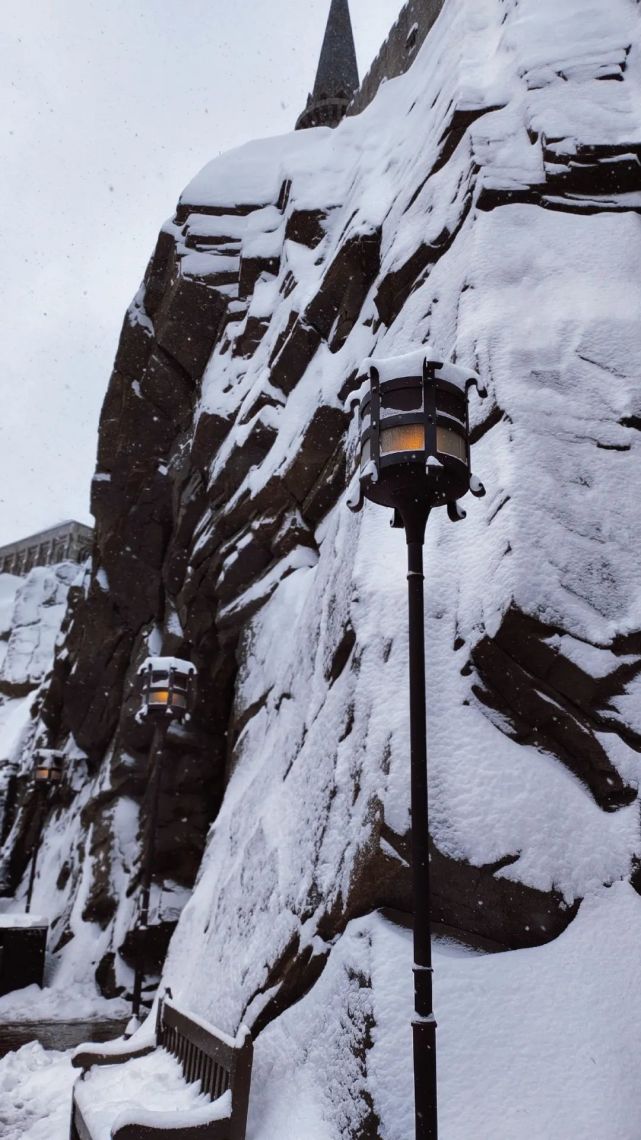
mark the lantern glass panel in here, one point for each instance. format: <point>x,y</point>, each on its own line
<point>407,437</point>
<point>449,442</point>
<point>366,453</point>
<point>401,400</point>
<point>452,403</point>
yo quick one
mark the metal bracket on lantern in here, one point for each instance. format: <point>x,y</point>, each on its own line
<point>357,504</point>
<point>455,512</point>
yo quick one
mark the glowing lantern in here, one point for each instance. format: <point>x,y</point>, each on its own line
<point>48,766</point>
<point>168,687</point>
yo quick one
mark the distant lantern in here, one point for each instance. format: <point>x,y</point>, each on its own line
<point>414,433</point>
<point>168,688</point>
<point>48,766</point>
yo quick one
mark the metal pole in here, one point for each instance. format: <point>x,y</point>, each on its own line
<point>155,762</point>
<point>424,1024</point>
<point>42,788</point>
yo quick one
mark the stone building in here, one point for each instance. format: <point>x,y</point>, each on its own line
<point>68,542</point>
<point>415,19</point>
<point>337,78</point>
<point>337,90</point>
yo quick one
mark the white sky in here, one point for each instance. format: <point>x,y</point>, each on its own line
<point>107,110</point>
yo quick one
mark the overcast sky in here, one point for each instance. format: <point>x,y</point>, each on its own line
<point>107,110</point>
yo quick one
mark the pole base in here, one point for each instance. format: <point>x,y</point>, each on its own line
<point>425,1098</point>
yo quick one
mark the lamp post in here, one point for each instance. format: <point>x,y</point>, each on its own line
<point>167,686</point>
<point>48,773</point>
<point>415,455</point>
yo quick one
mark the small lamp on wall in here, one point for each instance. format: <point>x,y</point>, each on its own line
<point>167,688</point>
<point>48,767</point>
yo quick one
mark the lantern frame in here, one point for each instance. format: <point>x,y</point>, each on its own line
<point>172,679</point>
<point>417,391</point>
<point>48,767</point>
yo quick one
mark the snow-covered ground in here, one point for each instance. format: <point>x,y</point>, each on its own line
<point>532,1043</point>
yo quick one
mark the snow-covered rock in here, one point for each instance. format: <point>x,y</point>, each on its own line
<point>31,624</point>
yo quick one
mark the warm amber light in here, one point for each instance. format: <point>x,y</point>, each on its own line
<point>449,442</point>
<point>159,697</point>
<point>408,437</point>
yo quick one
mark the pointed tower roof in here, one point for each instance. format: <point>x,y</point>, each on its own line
<point>337,77</point>
<point>338,69</point>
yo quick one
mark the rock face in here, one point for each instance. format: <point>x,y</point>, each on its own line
<point>32,614</point>
<point>487,202</point>
<point>32,610</point>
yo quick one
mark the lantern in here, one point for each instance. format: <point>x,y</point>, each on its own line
<point>167,688</point>
<point>414,454</point>
<point>414,434</point>
<point>48,766</point>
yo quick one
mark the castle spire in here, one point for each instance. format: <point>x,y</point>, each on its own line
<point>337,77</point>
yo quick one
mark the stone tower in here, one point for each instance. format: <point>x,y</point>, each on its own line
<point>337,76</point>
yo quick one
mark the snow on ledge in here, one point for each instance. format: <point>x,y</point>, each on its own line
<point>23,922</point>
<point>251,175</point>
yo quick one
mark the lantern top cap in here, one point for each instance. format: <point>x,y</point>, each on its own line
<point>48,754</point>
<point>413,363</point>
<point>166,664</point>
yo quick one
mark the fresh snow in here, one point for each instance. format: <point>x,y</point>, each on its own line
<point>152,1083</point>
<point>531,1043</point>
<point>23,921</point>
<point>38,605</point>
<point>166,664</point>
<point>411,364</point>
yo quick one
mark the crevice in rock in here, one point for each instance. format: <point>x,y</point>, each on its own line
<point>551,703</point>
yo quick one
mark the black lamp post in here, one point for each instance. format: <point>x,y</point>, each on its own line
<point>48,771</point>
<point>415,455</point>
<point>168,690</point>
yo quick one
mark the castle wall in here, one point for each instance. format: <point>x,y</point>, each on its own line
<point>68,542</point>
<point>399,50</point>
